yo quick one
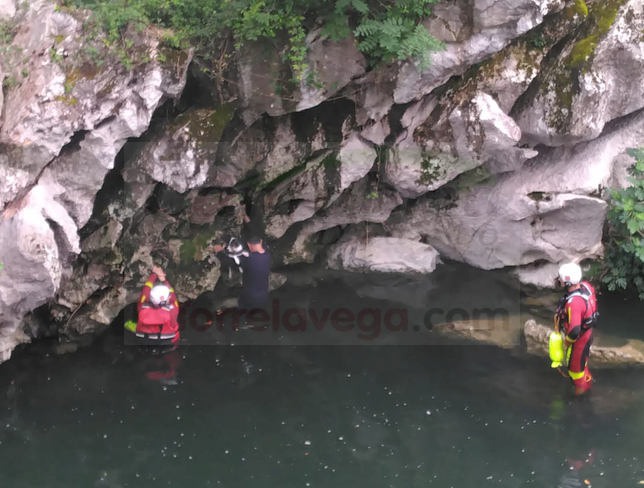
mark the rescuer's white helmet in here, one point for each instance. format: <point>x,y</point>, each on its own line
<point>570,274</point>
<point>159,295</point>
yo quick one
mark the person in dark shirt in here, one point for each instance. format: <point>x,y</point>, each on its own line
<point>256,270</point>
<point>257,267</point>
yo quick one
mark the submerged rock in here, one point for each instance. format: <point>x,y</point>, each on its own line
<point>500,331</point>
<point>630,354</point>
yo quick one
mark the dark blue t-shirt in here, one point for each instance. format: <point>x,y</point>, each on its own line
<point>257,267</point>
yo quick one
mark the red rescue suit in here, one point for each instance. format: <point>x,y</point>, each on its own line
<point>157,323</point>
<point>578,314</point>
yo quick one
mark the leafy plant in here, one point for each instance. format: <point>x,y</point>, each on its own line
<point>624,255</point>
<point>385,29</point>
<point>539,42</point>
<point>9,82</point>
<point>8,51</point>
<point>54,55</point>
<point>396,33</point>
<point>430,169</point>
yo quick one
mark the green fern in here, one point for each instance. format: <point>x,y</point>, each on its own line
<point>383,30</point>
<point>397,33</point>
<point>360,6</point>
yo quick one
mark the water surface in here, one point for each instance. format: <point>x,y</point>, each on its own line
<point>443,415</point>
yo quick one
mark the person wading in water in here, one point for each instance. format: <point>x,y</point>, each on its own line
<point>256,269</point>
<point>576,316</point>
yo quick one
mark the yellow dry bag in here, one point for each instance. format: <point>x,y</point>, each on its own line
<point>556,349</point>
<point>130,325</point>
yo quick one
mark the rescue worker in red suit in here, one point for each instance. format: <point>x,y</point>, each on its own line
<point>158,310</point>
<point>577,314</point>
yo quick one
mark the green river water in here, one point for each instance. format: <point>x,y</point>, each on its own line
<point>317,415</point>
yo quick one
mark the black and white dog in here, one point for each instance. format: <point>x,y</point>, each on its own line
<point>232,255</point>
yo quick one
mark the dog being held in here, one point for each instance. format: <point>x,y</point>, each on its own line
<point>234,252</point>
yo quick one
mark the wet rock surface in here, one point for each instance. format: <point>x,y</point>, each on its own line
<point>496,155</point>
<point>629,354</point>
<point>384,255</point>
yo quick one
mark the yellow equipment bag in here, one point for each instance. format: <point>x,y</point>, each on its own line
<point>556,349</point>
<point>130,325</point>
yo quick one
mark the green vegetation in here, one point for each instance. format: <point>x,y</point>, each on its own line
<point>581,7</point>
<point>430,169</point>
<point>7,31</point>
<point>8,53</point>
<point>193,249</point>
<point>9,82</point>
<point>396,33</point>
<point>205,125</point>
<point>595,23</point>
<point>601,18</point>
<point>385,30</point>
<point>624,254</point>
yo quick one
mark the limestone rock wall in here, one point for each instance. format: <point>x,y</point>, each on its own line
<point>496,155</point>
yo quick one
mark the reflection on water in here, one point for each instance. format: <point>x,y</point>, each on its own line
<point>391,416</point>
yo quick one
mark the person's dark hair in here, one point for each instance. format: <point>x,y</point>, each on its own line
<point>255,240</point>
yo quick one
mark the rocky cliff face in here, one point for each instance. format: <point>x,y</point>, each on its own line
<point>495,155</point>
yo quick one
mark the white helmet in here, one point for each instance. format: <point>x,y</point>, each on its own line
<point>159,295</point>
<point>570,273</point>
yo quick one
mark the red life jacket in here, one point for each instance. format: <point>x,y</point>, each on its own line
<point>587,293</point>
<point>156,322</point>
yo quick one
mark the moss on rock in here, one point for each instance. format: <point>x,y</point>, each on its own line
<point>602,16</point>
<point>193,249</point>
<point>205,125</point>
<point>560,80</point>
<point>581,7</point>
<point>431,169</point>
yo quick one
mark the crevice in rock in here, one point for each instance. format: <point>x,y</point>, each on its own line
<point>228,212</point>
<point>113,184</point>
<point>74,143</point>
<point>152,205</point>
<point>72,146</point>
<point>196,93</point>
<point>395,117</point>
<point>64,249</point>
<point>619,122</point>
<point>105,121</point>
<point>170,201</point>
<point>112,189</point>
<point>40,323</point>
<point>288,207</point>
<point>328,116</point>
